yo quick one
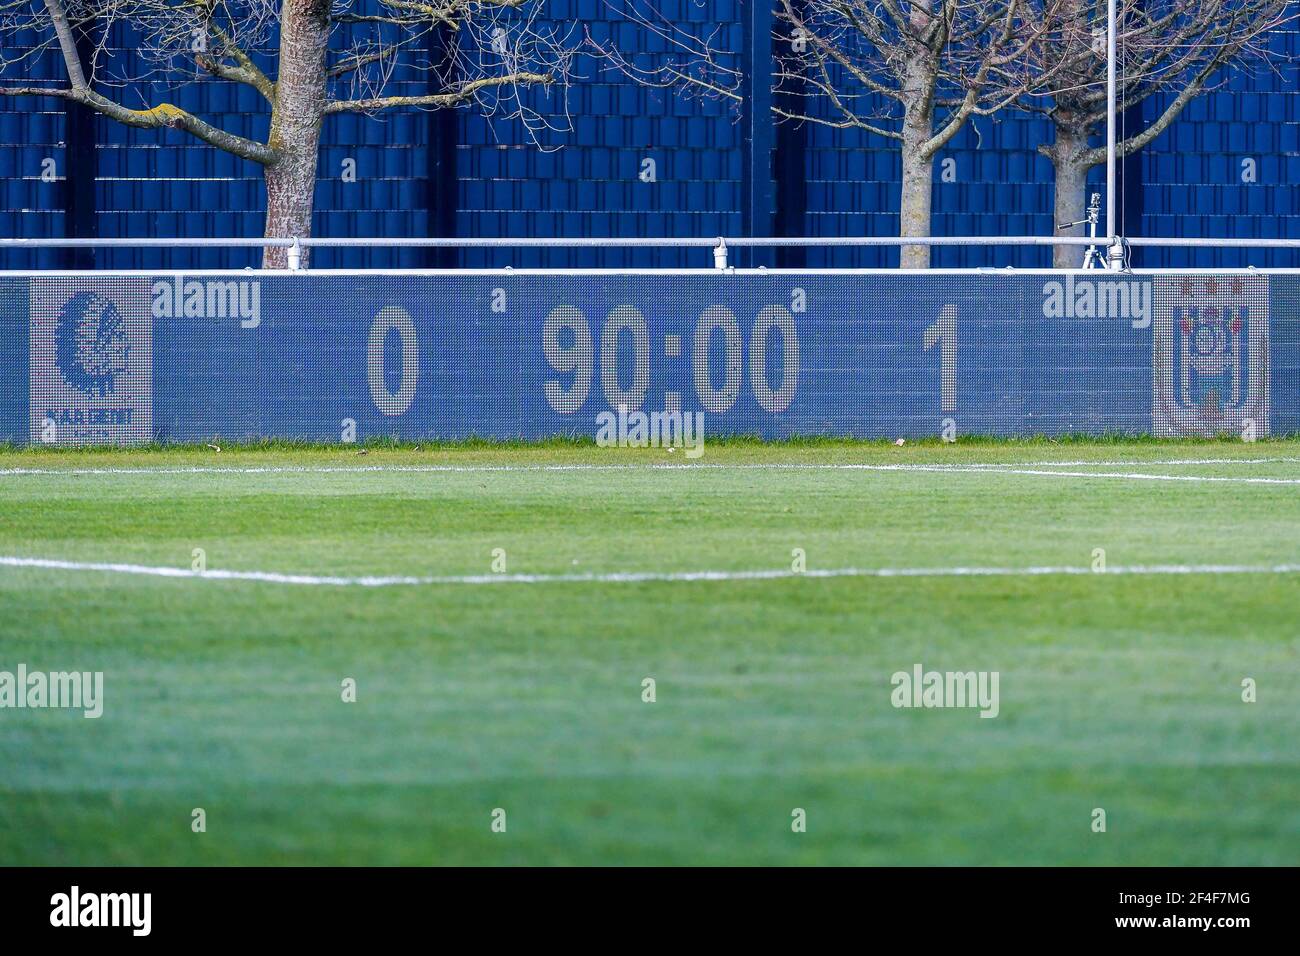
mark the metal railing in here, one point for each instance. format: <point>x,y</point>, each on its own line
<point>1116,253</point>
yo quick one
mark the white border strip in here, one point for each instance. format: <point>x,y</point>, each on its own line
<point>636,577</point>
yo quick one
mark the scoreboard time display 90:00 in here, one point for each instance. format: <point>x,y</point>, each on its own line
<point>571,350</point>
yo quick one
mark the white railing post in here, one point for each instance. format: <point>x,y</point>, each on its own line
<point>720,254</point>
<point>1117,255</point>
<point>295,256</point>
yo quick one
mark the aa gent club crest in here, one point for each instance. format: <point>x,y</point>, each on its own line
<point>91,346</point>
<point>91,360</point>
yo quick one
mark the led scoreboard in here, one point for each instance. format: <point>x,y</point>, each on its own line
<point>331,356</point>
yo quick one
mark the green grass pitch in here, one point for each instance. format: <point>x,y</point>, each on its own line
<point>1117,691</point>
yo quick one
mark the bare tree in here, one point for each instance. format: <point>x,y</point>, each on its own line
<point>911,71</point>
<point>1169,47</point>
<point>346,56</point>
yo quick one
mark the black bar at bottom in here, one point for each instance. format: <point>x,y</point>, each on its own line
<point>334,906</point>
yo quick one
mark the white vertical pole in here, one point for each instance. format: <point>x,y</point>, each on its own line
<point>1110,121</point>
<point>1115,257</point>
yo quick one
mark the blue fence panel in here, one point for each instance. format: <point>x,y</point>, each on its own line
<point>1190,180</point>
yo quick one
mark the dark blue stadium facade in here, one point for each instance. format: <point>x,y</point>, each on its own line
<point>453,174</point>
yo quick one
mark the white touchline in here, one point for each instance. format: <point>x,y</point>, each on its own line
<point>634,577</point>
<point>1125,475</point>
<point>1133,462</point>
<point>1035,469</point>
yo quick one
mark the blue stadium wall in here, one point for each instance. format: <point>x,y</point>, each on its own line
<point>456,174</point>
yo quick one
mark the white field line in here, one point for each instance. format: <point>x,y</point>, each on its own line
<point>1132,463</point>
<point>1131,476</point>
<point>1037,469</point>
<point>634,577</point>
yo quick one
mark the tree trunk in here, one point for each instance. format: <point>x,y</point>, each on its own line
<point>1071,191</point>
<point>914,204</point>
<point>290,191</point>
<point>918,166</point>
<point>295,125</point>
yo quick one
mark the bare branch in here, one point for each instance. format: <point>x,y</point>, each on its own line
<point>163,116</point>
<point>67,44</point>
<point>438,100</point>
